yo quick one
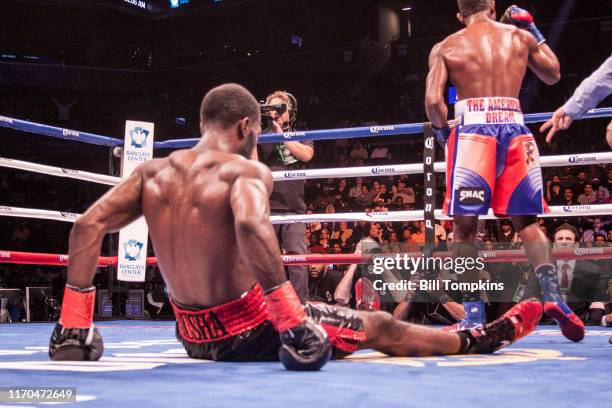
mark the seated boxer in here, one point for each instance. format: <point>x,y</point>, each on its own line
<point>208,214</point>
<point>492,158</point>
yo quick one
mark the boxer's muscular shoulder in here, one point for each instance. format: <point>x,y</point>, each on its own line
<point>149,168</point>
<point>235,169</point>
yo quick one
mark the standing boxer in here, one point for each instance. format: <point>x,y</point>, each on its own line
<point>492,158</point>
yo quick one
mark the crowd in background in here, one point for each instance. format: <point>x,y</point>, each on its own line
<point>349,92</point>
<point>576,185</point>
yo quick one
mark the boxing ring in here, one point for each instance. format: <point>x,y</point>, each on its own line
<point>144,363</point>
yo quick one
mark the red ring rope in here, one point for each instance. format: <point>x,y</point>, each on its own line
<point>513,255</point>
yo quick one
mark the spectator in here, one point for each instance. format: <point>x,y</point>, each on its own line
<point>342,191</point>
<point>579,279</point>
<point>410,198</point>
<point>506,234</point>
<point>383,196</point>
<point>342,234</point>
<point>365,198</point>
<point>324,238</point>
<point>392,246</point>
<point>600,240</point>
<point>568,197</point>
<point>597,188</point>
<point>358,152</point>
<point>396,194</point>
<point>588,235</point>
<point>315,247</point>
<point>602,197</point>
<point>355,191</point>
<point>581,181</point>
<point>322,283</point>
<point>419,236</point>
<point>553,193</point>
<point>380,152</point>
<point>588,196</point>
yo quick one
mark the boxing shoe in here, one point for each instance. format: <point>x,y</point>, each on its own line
<point>475,317</point>
<point>366,296</point>
<point>570,324</point>
<point>515,324</point>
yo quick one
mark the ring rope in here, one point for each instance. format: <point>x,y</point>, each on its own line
<point>383,216</point>
<point>495,256</point>
<point>306,174</point>
<point>59,171</point>
<point>342,133</point>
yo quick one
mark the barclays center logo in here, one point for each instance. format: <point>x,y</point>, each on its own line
<point>132,249</point>
<point>138,137</point>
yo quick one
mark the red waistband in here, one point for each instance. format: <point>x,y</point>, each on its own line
<point>223,321</point>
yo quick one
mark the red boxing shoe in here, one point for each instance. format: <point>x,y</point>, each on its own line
<point>515,324</point>
<point>570,324</point>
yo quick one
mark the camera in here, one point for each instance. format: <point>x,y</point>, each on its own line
<point>266,117</point>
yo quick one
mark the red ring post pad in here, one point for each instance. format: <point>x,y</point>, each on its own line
<point>78,307</point>
<point>286,311</point>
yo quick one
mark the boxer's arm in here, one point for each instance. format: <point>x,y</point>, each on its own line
<point>113,211</point>
<point>542,60</point>
<point>435,106</point>
<point>255,235</point>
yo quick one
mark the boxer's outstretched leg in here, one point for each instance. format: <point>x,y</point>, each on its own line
<point>397,338</point>
<point>394,337</point>
<point>539,251</point>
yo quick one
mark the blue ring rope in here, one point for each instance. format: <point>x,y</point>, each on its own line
<point>342,133</point>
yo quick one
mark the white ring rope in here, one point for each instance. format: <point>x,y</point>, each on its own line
<point>363,171</point>
<point>416,215</point>
<point>59,171</point>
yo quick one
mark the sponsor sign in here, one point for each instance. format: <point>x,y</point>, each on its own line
<point>137,148</point>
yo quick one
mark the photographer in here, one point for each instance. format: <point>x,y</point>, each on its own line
<point>288,196</point>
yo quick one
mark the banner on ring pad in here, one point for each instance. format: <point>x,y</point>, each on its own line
<point>132,254</point>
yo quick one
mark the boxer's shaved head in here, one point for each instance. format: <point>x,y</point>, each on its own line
<point>469,7</point>
<point>227,104</point>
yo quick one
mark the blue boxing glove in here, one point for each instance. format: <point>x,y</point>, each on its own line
<point>442,134</point>
<point>522,19</point>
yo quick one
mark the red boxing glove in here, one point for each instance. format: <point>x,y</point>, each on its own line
<point>75,337</point>
<point>522,19</point>
<point>78,307</point>
<point>285,308</point>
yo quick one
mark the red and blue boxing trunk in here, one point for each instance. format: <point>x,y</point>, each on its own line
<point>492,161</point>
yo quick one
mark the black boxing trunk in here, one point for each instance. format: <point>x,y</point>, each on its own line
<point>235,331</point>
<point>345,329</point>
<point>240,330</point>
